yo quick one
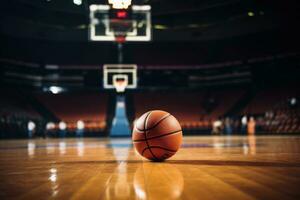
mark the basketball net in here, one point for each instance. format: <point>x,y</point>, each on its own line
<point>120,85</point>
<point>120,39</point>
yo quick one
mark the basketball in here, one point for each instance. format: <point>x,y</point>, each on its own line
<point>149,99</point>
<point>157,135</point>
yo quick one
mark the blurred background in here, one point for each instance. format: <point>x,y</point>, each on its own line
<point>219,66</point>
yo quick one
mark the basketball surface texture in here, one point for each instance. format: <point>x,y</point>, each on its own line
<point>157,135</point>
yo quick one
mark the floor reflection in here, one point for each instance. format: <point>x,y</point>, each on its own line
<point>50,147</point>
<point>53,179</point>
<point>142,180</point>
<point>250,146</point>
<point>120,148</point>
<point>158,181</point>
<point>80,147</point>
<point>31,149</point>
<point>120,186</point>
<point>62,147</point>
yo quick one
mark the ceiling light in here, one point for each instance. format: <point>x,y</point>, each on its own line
<point>55,89</point>
<point>160,27</point>
<point>77,2</point>
<point>250,14</point>
<point>193,26</point>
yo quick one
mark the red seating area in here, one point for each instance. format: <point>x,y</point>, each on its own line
<point>188,107</point>
<point>185,106</point>
<point>283,118</point>
<point>13,104</point>
<point>226,99</point>
<point>266,99</point>
<point>194,113</point>
<point>70,107</point>
<point>195,110</point>
<point>15,113</point>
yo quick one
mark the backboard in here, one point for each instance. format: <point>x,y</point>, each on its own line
<point>119,76</point>
<point>106,24</point>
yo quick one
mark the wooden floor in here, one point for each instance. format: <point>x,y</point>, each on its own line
<point>261,167</point>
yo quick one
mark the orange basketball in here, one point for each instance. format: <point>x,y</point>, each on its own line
<point>157,135</point>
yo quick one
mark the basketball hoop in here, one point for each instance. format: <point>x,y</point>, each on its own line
<point>120,82</point>
<point>120,39</point>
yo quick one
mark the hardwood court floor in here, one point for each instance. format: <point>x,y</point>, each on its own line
<point>261,167</point>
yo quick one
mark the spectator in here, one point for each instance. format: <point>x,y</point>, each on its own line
<point>50,126</point>
<point>217,127</point>
<point>228,128</point>
<point>31,129</point>
<point>80,128</point>
<point>244,124</point>
<point>62,129</point>
<point>251,126</point>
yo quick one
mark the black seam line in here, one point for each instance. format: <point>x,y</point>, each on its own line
<point>154,137</point>
<point>158,147</point>
<point>145,133</point>
<point>168,115</point>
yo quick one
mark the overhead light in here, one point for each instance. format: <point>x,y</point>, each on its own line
<point>82,26</point>
<point>77,2</point>
<point>293,101</point>
<point>160,27</point>
<point>193,26</point>
<point>250,14</point>
<point>55,89</point>
<point>120,4</point>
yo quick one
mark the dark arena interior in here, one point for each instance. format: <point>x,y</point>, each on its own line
<point>77,77</point>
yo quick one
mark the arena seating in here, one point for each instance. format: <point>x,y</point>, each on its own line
<point>273,109</point>
<point>198,110</point>
<point>15,113</point>
<point>194,110</point>
<point>185,106</point>
<point>283,118</point>
<point>14,103</point>
<point>266,99</point>
<point>225,100</point>
<point>90,107</point>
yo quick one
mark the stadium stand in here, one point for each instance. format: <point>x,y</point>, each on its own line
<point>225,100</point>
<point>267,99</point>
<point>15,112</point>
<point>90,107</point>
<point>195,110</point>
<point>186,106</point>
<point>283,117</point>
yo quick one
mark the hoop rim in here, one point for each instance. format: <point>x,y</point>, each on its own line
<point>120,85</point>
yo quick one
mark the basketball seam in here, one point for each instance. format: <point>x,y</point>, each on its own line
<point>145,133</point>
<point>158,147</point>
<point>157,123</point>
<point>159,136</point>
